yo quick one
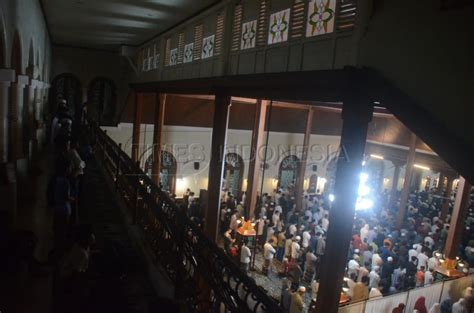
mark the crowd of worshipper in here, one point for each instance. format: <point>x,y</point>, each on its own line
<point>382,259</point>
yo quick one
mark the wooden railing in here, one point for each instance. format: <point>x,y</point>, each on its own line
<point>205,278</point>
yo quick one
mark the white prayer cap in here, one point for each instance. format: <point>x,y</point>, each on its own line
<point>414,246</point>
<point>376,267</point>
<point>297,238</point>
<point>356,251</point>
<point>302,289</point>
<point>430,234</point>
<point>390,259</point>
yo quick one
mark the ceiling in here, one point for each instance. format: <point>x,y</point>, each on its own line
<point>107,24</point>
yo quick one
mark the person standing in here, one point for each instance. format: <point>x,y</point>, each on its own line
<point>268,253</point>
<point>297,303</point>
<point>245,255</point>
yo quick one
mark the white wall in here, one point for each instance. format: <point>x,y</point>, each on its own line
<point>189,144</point>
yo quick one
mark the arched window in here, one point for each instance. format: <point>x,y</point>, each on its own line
<point>313,183</point>
<point>102,101</point>
<point>233,173</point>
<point>288,172</point>
<point>167,171</point>
<point>66,86</point>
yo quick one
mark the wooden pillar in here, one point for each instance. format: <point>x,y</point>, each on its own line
<point>457,227</point>
<point>16,126</point>
<point>356,114</point>
<point>396,176</point>
<point>447,197</point>
<point>136,126</point>
<point>6,78</point>
<point>440,187</point>
<point>258,136</point>
<point>304,158</point>
<point>159,122</point>
<point>220,122</point>
<point>406,184</point>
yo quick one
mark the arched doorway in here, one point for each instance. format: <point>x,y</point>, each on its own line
<point>167,171</point>
<point>233,173</point>
<point>288,172</point>
<point>102,101</point>
<point>66,86</point>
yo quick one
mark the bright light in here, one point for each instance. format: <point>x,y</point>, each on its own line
<point>363,178</point>
<point>331,197</point>
<point>376,156</point>
<point>364,190</point>
<point>363,163</point>
<point>423,167</point>
<point>364,204</point>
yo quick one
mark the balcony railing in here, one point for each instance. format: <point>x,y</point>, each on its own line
<point>205,278</point>
<point>434,293</point>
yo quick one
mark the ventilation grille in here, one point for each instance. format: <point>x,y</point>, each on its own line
<point>219,33</point>
<point>262,27</point>
<point>297,19</point>
<point>198,30</point>
<point>237,27</point>
<point>180,48</point>
<point>167,52</point>
<point>346,15</point>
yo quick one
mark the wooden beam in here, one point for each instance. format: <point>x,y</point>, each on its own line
<point>406,184</point>
<point>396,176</point>
<point>136,126</point>
<point>216,166</point>
<point>356,115</point>
<point>304,159</point>
<point>160,103</point>
<point>457,226</point>
<point>258,136</point>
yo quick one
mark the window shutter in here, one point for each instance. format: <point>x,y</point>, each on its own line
<point>180,48</point>
<point>262,27</point>
<point>297,19</point>
<point>198,30</point>
<point>167,52</point>
<point>219,33</point>
<point>237,27</point>
<point>346,15</point>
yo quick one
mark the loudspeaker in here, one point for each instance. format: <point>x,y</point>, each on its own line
<point>196,165</point>
<point>315,168</point>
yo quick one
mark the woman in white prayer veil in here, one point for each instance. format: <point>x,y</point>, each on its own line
<point>436,308</point>
<point>459,307</point>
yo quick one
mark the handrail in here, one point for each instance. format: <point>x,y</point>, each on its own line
<point>205,278</point>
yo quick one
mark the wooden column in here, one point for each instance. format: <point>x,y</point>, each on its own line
<point>258,136</point>
<point>304,158</point>
<point>456,228</point>
<point>447,197</point>
<point>16,114</point>
<point>396,176</point>
<point>159,122</point>
<point>406,184</point>
<point>441,178</point>
<point>222,105</point>
<point>356,114</point>
<point>136,126</point>
<point>6,78</point>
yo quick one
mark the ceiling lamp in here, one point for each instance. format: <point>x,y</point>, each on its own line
<point>376,156</point>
